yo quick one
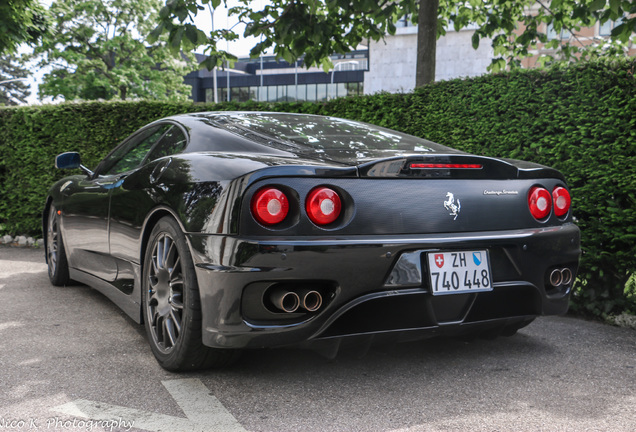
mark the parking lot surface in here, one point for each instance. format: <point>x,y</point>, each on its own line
<point>70,360</point>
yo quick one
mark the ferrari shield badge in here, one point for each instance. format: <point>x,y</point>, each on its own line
<point>451,205</point>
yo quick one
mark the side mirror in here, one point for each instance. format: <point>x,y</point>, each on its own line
<point>71,160</point>
<point>68,160</point>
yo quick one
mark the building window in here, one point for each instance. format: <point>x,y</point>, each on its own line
<point>252,93</point>
<point>311,92</point>
<point>606,28</point>
<point>244,94</point>
<point>282,93</point>
<point>353,89</point>
<point>291,93</point>
<point>209,95</point>
<point>341,89</point>
<point>552,34</point>
<point>349,65</point>
<point>301,93</point>
<point>287,93</point>
<point>271,94</point>
<point>234,94</point>
<point>321,92</point>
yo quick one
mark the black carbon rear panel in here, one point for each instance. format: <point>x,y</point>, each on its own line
<point>407,206</point>
<point>419,311</point>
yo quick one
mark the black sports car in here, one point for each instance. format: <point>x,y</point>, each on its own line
<point>230,230</point>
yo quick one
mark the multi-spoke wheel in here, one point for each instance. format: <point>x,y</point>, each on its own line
<point>171,304</point>
<point>55,253</point>
<point>165,293</point>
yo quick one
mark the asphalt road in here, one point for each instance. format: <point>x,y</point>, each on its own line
<point>70,360</point>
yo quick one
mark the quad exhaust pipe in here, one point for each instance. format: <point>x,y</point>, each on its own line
<point>290,301</point>
<point>287,301</point>
<point>559,277</point>
<point>311,300</point>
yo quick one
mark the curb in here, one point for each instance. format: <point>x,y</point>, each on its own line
<point>21,241</point>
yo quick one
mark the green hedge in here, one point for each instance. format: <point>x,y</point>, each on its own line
<point>580,120</point>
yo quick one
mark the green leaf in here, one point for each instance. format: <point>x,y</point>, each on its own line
<point>475,40</point>
<point>622,32</point>
<point>176,37</point>
<point>193,34</point>
<point>326,64</point>
<point>615,6</point>
<point>156,33</point>
<point>597,5</point>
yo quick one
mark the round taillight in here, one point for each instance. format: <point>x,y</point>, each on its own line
<point>540,202</point>
<point>561,199</point>
<point>270,206</point>
<point>323,205</point>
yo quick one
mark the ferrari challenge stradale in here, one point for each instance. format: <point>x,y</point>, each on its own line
<point>224,231</point>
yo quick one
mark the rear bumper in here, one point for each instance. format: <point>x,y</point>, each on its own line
<point>362,296</point>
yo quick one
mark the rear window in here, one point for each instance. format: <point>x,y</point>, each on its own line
<point>326,133</point>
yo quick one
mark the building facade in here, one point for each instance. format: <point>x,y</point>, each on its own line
<point>266,79</point>
<point>584,37</point>
<point>392,61</point>
<point>387,65</point>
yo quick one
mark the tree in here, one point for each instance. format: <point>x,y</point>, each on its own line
<point>315,29</point>
<point>426,41</point>
<point>516,27</point>
<point>97,51</point>
<point>21,21</point>
<point>13,90</point>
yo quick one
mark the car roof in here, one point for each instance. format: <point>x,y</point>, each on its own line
<point>299,135</point>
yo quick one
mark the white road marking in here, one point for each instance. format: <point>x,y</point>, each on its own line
<point>10,324</point>
<point>204,411</point>
<point>201,406</point>
<point>7,267</point>
<point>139,419</point>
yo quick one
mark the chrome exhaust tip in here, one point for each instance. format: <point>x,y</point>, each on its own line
<point>556,278</point>
<point>287,301</point>
<point>566,276</point>
<point>311,300</point>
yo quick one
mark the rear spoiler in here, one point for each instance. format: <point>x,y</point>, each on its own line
<point>455,166</point>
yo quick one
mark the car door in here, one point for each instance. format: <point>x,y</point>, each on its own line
<point>133,197</point>
<point>87,205</point>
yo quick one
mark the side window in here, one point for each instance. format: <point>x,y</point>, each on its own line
<point>132,152</point>
<point>172,142</point>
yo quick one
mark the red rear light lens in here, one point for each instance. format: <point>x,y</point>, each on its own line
<point>562,201</point>
<point>323,205</point>
<point>270,206</point>
<point>540,202</point>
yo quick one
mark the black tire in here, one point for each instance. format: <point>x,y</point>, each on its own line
<point>55,252</point>
<point>172,305</point>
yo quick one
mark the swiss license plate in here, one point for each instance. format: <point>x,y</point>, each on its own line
<point>459,272</point>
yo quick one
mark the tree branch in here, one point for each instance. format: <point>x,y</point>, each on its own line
<point>563,25</point>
